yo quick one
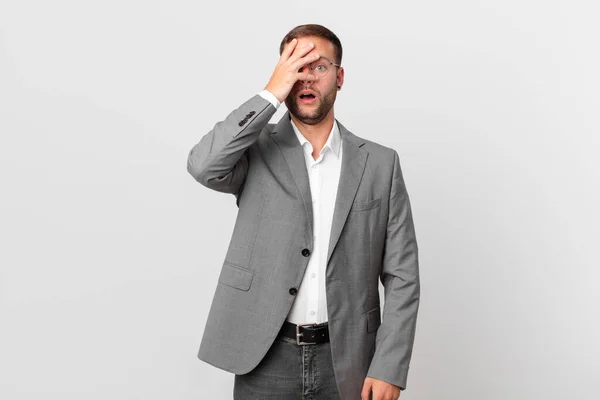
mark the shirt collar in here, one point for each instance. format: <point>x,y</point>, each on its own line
<point>334,141</point>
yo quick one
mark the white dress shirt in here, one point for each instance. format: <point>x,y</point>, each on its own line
<point>310,305</point>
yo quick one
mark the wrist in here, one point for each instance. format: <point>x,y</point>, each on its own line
<point>268,94</point>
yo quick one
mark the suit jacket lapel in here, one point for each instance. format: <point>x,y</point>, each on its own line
<point>284,135</point>
<point>354,159</point>
<point>353,165</point>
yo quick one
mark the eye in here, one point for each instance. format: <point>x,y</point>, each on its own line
<point>321,67</point>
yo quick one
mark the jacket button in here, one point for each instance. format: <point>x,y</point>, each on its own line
<point>305,252</point>
<point>293,291</point>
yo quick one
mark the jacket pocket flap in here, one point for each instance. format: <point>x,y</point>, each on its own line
<point>365,205</point>
<point>373,319</point>
<point>236,276</point>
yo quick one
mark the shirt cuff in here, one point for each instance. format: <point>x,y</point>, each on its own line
<point>270,97</point>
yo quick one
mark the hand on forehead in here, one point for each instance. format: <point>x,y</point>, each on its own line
<point>322,46</point>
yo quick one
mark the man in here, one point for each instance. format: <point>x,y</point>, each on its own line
<point>323,215</point>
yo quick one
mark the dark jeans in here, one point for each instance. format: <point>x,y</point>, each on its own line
<point>290,372</point>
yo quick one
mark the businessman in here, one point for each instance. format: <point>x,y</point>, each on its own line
<point>323,215</point>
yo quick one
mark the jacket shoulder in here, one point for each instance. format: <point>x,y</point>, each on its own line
<point>380,152</point>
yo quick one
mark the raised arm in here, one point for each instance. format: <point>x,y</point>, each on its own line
<point>220,160</point>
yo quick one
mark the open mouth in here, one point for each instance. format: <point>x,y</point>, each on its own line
<point>307,98</point>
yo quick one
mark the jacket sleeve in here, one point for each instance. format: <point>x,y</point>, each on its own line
<point>400,278</point>
<point>220,160</point>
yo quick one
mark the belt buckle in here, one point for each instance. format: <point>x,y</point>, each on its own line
<point>298,334</point>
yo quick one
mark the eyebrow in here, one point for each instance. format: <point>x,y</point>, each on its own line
<point>324,58</point>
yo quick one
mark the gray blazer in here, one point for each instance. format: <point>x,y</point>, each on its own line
<point>372,237</point>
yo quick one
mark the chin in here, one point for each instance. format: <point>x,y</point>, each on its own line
<point>307,114</point>
<point>310,119</point>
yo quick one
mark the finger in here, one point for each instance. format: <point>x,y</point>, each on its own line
<point>306,76</point>
<point>288,50</point>
<point>364,395</point>
<point>305,60</point>
<point>300,52</point>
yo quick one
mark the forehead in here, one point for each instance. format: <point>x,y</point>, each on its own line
<point>322,46</point>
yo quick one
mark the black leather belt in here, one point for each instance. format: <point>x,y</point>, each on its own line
<point>305,333</point>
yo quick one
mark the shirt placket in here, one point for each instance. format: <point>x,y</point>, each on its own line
<point>315,183</point>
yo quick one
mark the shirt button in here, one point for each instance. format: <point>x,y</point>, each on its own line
<point>313,274</point>
<point>312,313</point>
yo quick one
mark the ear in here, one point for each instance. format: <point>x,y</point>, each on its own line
<point>340,77</point>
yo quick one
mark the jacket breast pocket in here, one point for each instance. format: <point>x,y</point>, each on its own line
<point>236,276</point>
<point>365,205</point>
<point>373,319</point>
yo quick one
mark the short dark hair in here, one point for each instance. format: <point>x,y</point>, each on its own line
<point>314,30</point>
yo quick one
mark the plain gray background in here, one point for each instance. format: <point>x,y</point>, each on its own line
<point>110,251</point>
